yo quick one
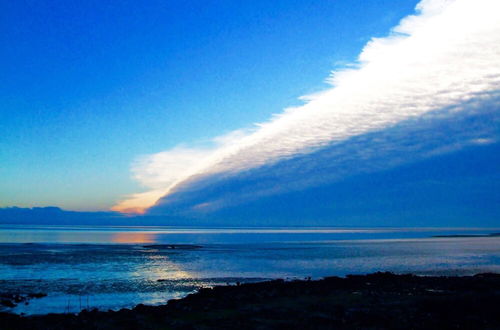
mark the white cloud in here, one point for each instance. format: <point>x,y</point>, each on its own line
<point>446,55</point>
<point>482,141</point>
<point>161,171</point>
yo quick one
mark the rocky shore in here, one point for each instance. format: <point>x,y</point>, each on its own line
<point>12,300</point>
<point>375,301</point>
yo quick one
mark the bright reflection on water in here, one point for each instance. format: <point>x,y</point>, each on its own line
<point>132,237</point>
<point>113,267</point>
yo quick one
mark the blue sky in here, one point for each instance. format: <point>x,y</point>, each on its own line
<point>327,113</point>
<point>89,86</point>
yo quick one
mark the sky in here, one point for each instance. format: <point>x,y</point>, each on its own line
<point>320,111</point>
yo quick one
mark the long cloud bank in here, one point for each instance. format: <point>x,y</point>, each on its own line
<point>432,86</point>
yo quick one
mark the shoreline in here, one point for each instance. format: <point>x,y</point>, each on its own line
<point>379,300</point>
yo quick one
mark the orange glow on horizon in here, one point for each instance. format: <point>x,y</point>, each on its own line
<point>131,210</point>
<point>138,203</point>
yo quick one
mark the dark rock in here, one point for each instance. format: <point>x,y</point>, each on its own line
<point>37,295</point>
<point>7,303</point>
<point>173,246</point>
<point>374,301</point>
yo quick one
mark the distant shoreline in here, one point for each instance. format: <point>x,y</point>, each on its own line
<point>466,236</point>
<point>380,300</point>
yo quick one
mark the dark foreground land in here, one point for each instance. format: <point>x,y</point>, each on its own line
<point>376,301</point>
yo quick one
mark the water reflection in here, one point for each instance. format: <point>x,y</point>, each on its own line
<point>162,267</point>
<point>122,275</point>
<point>173,235</point>
<point>133,237</point>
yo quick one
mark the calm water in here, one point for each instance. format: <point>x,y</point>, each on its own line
<point>113,267</point>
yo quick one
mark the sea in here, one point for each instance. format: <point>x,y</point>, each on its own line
<point>110,268</point>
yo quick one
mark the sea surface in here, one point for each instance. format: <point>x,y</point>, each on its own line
<point>119,267</point>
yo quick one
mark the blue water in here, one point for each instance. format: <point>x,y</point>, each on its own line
<point>113,267</point>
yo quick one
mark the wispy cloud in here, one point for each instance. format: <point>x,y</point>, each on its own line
<point>161,171</point>
<point>410,93</point>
